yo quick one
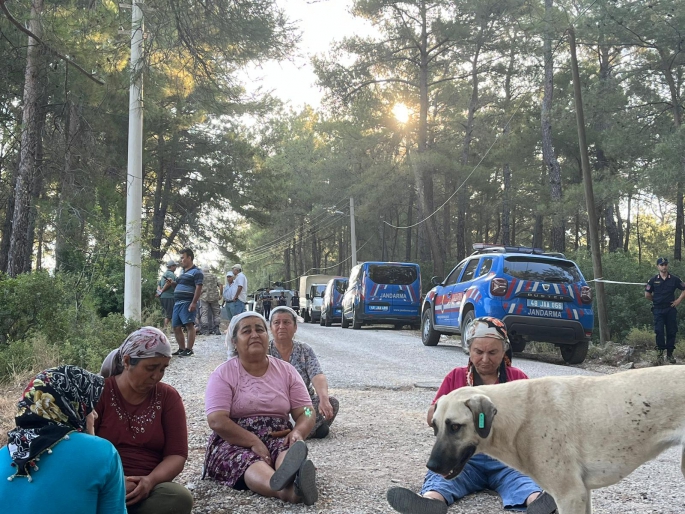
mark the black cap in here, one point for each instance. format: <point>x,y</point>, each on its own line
<point>661,260</point>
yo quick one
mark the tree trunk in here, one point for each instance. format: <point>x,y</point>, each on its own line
<point>506,207</point>
<point>410,221</point>
<point>558,239</point>
<point>627,231</point>
<point>19,243</point>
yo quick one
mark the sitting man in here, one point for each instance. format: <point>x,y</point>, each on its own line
<point>488,364</point>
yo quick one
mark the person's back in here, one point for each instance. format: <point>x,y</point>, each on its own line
<point>81,475</point>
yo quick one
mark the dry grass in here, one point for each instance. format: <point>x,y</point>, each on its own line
<point>10,393</point>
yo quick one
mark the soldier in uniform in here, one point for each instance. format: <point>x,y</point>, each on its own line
<point>660,290</point>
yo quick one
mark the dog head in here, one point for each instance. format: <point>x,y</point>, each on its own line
<point>462,419</point>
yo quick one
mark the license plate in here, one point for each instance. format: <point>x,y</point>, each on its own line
<point>544,304</point>
<point>378,307</point>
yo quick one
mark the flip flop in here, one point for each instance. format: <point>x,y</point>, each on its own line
<point>543,504</point>
<point>305,483</point>
<point>285,474</point>
<point>407,501</point>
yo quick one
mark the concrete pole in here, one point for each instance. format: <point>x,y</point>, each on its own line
<point>353,234</point>
<point>134,175</point>
<point>604,334</point>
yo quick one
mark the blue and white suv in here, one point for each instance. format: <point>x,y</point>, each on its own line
<point>539,296</point>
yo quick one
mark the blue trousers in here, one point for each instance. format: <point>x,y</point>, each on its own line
<point>483,472</point>
<point>665,319</point>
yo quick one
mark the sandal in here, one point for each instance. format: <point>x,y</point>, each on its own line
<point>285,474</point>
<point>408,502</point>
<point>543,504</point>
<point>305,483</point>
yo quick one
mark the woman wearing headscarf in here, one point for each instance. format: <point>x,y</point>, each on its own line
<point>145,420</point>
<point>488,364</point>
<point>283,324</point>
<point>52,461</point>
<point>249,401</point>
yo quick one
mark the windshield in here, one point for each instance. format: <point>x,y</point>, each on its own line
<point>543,270</point>
<point>341,286</point>
<point>318,290</point>
<point>392,274</point>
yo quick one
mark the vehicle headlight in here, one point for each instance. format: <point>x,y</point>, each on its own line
<point>316,307</point>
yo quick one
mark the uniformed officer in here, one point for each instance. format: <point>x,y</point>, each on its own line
<point>660,290</point>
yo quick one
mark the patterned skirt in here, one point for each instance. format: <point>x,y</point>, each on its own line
<point>226,463</point>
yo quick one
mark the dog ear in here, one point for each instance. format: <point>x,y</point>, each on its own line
<point>483,413</point>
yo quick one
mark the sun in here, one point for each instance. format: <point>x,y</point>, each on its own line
<point>401,112</point>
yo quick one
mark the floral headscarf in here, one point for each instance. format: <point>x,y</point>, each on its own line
<point>144,343</point>
<point>487,326</point>
<point>55,403</point>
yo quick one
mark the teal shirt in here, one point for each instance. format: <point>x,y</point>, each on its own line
<point>83,475</point>
<point>169,293</point>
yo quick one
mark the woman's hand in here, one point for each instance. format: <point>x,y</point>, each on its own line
<point>293,437</point>
<point>141,489</point>
<point>325,407</point>
<point>260,449</point>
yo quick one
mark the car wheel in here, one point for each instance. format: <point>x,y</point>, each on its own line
<point>329,321</point>
<point>574,353</point>
<point>356,323</point>
<point>305,316</point>
<point>398,326</point>
<point>321,320</point>
<point>344,322</point>
<point>518,344</point>
<point>429,336</point>
<point>311,317</point>
<point>468,319</point>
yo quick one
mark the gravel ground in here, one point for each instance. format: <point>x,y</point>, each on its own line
<point>379,440</point>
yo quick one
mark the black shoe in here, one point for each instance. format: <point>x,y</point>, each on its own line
<point>217,332</point>
<point>543,504</point>
<point>305,483</point>
<point>660,358</point>
<point>186,353</point>
<point>408,502</point>
<point>179,352</point>
<point>671,359</point>
<point>322,431</point>
<point>285,474</point>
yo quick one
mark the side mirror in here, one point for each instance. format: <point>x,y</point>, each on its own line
<point>436,281</point>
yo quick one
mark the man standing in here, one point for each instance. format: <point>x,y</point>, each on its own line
<point>209,308</point>
<point>295,302</point>
<point>165,292</point>
<point>186,295</point>
<point>240,298</point>
<point>229,294</point>
<point>660,290</point>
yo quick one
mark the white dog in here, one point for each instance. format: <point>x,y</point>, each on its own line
<point>570,434</point>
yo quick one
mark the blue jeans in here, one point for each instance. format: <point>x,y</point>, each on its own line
<point>237,307</point>
<point>483,472</point>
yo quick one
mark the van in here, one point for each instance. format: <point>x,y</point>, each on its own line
<point>331,309</point>
<point>383,292</point>
<point>311,292</point>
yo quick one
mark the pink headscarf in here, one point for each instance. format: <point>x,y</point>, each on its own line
<point>144,343</point>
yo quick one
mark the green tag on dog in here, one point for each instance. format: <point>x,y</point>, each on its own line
<point>481,420</point>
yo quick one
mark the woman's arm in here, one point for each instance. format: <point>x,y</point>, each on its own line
<point>221,423</point>
<point>305,418</point>
<point>321,387</point>
<point>170,467</point>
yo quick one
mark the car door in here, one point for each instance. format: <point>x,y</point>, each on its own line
<point>443,295</point>
<point>460,289</point>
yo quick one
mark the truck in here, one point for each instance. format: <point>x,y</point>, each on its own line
<point>311,292</point>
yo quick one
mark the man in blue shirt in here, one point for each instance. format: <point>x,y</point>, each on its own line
<point>186,295</point>
<point>660,290</point>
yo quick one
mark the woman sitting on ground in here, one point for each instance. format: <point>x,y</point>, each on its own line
<point>488,343</point>
<point>283,324</point>
<point>248,402</point>
<point>146,422</point>
<point>79,473</point>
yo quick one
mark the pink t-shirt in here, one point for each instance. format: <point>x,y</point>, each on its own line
<point>276,393</point>
<point>457,378</point>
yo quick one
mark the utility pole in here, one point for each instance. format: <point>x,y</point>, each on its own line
<point>604,334</point>
<point>134,175</point>
<point>353,234</point>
